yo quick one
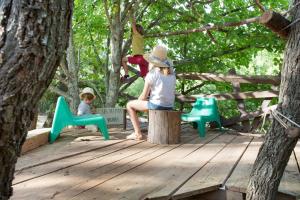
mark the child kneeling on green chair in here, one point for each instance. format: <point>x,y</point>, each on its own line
<point>87,96</point>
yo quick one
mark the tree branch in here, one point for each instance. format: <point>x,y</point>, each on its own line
<point>63,66</point>
<point>128,7</point>
<point>206,28</point>
<point>193,88</point>
<point>107,13</point>
<point>212,37</point>
<point>59,92</point>
<point>202,2</point>
<point>93,45</point>
<point>128,96</point>
<point>61,79</point>
<point>260,6</point>
<point>131,80</point>
<point>217,54</point>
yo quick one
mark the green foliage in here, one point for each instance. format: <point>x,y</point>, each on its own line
<point>250,49</point>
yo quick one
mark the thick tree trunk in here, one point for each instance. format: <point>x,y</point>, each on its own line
<point>73,69</point>
<point>277,148</point>
<point>32,39</point>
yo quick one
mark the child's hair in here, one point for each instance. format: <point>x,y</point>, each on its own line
<point>87,96</point>
<point>165,70</point>
<point>140,29</point>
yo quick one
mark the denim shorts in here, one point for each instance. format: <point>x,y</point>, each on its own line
<point>152,106</point>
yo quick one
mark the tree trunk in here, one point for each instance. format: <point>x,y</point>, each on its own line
<point>277,148</point>
<point>32,39</point>
<point>73,69</point>
<point>164,127</point>
<point>116,49</point>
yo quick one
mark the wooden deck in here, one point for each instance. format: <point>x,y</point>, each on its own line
<point>81,165</point>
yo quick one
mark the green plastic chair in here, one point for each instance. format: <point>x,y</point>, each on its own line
<point>204,110</point>
<point>63,117</point>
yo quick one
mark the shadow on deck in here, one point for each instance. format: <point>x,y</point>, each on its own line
<point>81,165</point>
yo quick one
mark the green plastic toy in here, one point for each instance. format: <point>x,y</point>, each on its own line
<point>63,117</point>
<point>204,110</point>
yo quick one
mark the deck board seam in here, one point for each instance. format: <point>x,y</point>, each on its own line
<point>93,158</point>
<point>177,146</point>
<point>297,161</point>
<point>68,156</point>
<point>203,145</point>
<point>236,163</point>
<point>170,197</point>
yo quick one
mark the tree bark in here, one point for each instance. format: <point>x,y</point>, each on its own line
<point>276,22</point>
<point>277,148</point>
<point>116,41</point>
<point>73,69</point>
<point>164,127</point>
<point>32,40</point>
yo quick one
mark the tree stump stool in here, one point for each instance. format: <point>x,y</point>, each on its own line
<point>164,127</point>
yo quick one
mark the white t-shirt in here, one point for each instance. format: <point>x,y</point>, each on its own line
<point>83,109</point>
<point>162,88</point>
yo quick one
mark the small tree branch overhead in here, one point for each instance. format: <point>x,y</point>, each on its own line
<point>216,54</point>
<point>61,79</point>
<point>212,37</point>
<point>260,6</point>
<point>206,28</point>
<point>59,92</point>
<point>107,13</point>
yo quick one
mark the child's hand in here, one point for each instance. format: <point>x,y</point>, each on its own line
<point>141,98</point>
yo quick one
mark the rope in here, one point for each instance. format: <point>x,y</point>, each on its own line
<point>279,120</point>
<point>291,24</point>
<point>292,131</point>
<point>291,121</point>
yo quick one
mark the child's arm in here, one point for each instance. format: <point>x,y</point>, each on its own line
<point>145,92</point>
<point>133,22</point>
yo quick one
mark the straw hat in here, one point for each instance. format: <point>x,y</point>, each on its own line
<point>87,90</point>
<point>158,57</point>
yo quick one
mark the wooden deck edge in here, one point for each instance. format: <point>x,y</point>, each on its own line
<point>196,192</point>
<point>35,139</point>
<point>281,195</point>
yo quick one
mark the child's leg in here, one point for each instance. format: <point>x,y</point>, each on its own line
<point>132,107</point>
<point>124,64</point>
<point>144,67</point>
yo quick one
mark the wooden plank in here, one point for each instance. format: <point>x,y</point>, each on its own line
<point>56,165</point>
<point>238,181</point>
<point>40,170</point>
<point>35,138</point>
<point>54,183</point>
<point>62,149</point>
<point>230,96</point>
<point>297,154</point>
<point>216,171</point>
<point>242,95</point>
<point>154,175</point>
<point>239,178</point>
<point>101,169</point>
<point>274,80</point>
<point>290,181</point>
<point>114,170</point>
